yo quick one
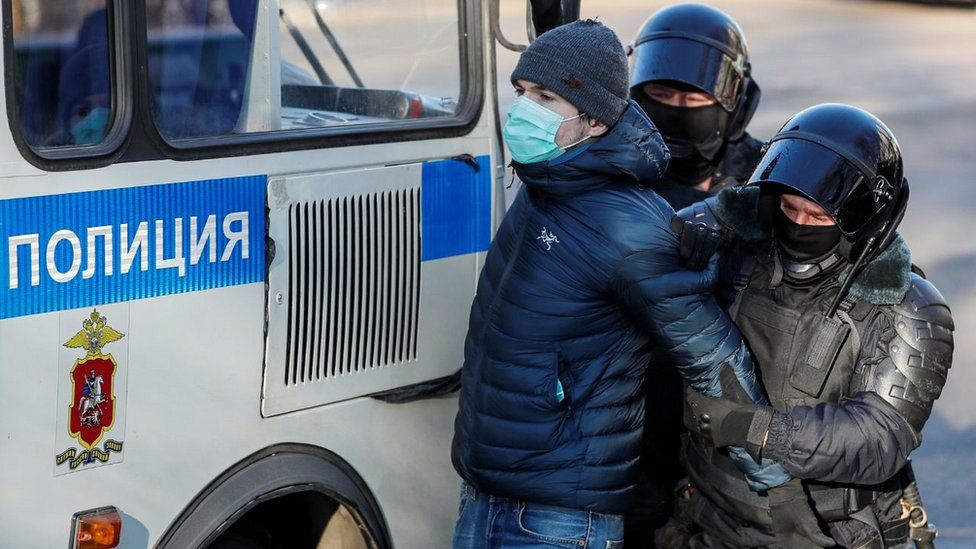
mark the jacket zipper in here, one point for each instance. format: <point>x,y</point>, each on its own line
<point>509,266</point>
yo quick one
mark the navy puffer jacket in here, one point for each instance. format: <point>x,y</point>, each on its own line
<point>582,278</point>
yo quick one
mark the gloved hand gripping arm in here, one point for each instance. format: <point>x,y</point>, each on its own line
<point>676,308</point>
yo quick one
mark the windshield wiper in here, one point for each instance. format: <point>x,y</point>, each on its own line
<point>335,45</point>
<point>306,50</point>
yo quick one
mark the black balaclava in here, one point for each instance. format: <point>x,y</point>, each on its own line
<point>803,243</point>
<point>693,135</point>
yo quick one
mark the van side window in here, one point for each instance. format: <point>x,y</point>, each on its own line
<point>62,78</point>
<point>199,55</point>
<point>222,67</point>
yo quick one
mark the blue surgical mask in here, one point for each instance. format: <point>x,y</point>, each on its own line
<point>530,132</point>
<point>91,128</point>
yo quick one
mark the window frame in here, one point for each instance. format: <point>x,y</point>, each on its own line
<point>135,136</point>
<point>110,147</point>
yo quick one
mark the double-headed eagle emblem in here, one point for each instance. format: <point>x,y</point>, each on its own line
<point>94,335</point>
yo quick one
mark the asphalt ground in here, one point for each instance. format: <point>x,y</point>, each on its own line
<point>914,66</point>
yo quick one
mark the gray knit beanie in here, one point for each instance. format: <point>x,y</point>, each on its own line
<point>584,63</point>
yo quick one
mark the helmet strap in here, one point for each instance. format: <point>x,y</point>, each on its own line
<point>873,245</point>
<point>856,269</point>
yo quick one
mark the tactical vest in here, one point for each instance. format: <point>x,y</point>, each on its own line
<point>803,359</point>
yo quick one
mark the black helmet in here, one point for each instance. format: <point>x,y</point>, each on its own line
<point>701,47</point>
<point>849,163</point>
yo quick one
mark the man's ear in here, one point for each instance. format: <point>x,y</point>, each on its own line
<point>595,128</point>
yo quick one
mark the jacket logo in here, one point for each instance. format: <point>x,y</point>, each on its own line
<point>548,239</point>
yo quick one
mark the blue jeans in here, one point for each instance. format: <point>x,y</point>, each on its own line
<point>492,522</point>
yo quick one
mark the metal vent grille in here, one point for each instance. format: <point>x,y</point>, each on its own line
<point>353,284</point>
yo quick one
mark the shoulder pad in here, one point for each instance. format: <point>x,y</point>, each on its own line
<point>920,353</point>
<point>923,301</point>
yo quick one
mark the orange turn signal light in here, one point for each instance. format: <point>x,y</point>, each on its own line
<point>97,529</point>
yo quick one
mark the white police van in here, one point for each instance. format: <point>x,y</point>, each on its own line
<point>224,224</point>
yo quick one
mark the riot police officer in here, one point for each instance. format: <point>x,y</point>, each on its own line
<point>853,344</point>
<point>691,74</point>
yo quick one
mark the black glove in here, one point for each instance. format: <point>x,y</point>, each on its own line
<point>723,422</point>
<point>698,242</point>
<point>794,522</point>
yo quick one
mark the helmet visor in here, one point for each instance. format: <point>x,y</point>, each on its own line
<point>689,62</point>
<point>824,177</point>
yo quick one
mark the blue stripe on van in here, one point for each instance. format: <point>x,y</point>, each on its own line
<point>455,208</point>
<point>53,249</point>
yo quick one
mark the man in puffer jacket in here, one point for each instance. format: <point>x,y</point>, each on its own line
<point>583,278</point>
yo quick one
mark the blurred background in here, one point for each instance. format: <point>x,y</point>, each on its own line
<point>914,66</point>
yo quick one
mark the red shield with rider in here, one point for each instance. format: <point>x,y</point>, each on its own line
<point>92,409</point>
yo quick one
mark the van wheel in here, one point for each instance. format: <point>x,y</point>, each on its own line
<point>238,540</point>
<point>299,520</point>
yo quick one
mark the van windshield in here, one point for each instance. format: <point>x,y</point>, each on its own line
<point>216,68</point>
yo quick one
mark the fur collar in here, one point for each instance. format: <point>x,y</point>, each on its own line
<point>884,281</point>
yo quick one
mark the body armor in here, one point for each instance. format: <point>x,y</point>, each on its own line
<point>912,370</point>
<point>853,347</point>
<point>899,352</point>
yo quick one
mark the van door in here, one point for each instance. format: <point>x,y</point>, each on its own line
<point>372,246</point>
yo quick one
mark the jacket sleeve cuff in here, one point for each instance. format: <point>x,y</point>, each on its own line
<point>778,443</point>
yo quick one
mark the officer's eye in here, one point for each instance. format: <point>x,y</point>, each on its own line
<point>699,99</point>
<point>546,97</point>
<point>519,92</point>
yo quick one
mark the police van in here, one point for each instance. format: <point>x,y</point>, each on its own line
<point>226,226</point>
